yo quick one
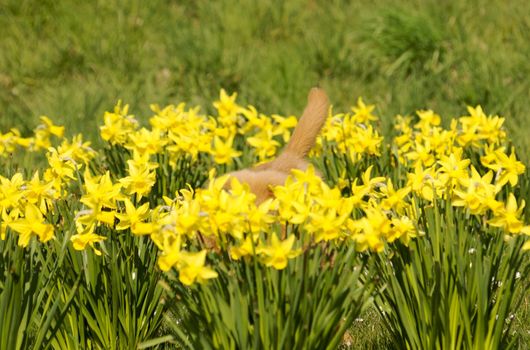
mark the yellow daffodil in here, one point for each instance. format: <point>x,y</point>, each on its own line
<point>424,182</point>
<point>365,235</point>
<point>508,168</point>
<point>363,112</point>
<point>44,131</point>
<point>264,144</point>
<point>80,241</point>
<point>9,142</point>
<point>393,199</point>
<point>245,248</point>
<point>134,218</point>
<point>403,229</point>
<point>32,223</point>
<point>140,180</point>
<point>118,125</point>
<point>11,191</point>
<point>62,168</point>
<point>478,194</point>
<point>283,125</point>
<point>77,150</point>
<point>222,151</point>
<point>100,191</point>
<point>277,253</point>
<point>369,181</point>
<point>146,142</point>
<point>227,107</point>
<point>453,167</point>
<point>40,193</point>
<point>95,216</point>
<point>508,216</point>
<point>427,119</point>
<point>193,268</point>
<point>478,127</point>
<point>171,254</point>
<point>51,128</point>
<point>421,154</point>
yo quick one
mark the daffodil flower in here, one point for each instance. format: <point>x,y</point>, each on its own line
<point>31,224</point>
<point>277,253</point>
<point>134,218</point>
<point>508,216</point>
<point>80,241</point>
<point>222,151</point>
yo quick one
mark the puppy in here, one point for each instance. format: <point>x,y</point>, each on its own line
<point>260,178</point>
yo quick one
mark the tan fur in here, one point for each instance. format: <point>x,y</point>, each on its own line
<point>260,178</point>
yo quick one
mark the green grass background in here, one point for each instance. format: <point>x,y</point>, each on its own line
<point>72,60</point>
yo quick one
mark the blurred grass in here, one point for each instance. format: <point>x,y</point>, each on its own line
<point>73,60</point>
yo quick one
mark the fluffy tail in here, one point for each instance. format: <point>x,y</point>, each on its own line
<point>310,123</point>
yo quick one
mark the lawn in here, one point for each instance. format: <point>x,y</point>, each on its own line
<point>72,60</point>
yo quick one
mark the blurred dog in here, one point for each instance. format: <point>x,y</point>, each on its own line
<point>260,178</point>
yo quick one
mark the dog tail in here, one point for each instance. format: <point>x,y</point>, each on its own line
<point>310,123</point>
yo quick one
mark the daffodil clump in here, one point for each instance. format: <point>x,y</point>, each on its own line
<point>351,134</point>
<point>26,203</point>
<point>157,196</point>
<point>440,163</point>
<point>304,212</point>
<point>181,132</point>
<point>213,219</point>
<point>469,164</point>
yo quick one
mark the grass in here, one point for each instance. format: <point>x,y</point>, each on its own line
<point>73,60</point>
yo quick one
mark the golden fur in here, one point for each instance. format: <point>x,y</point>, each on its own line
<point>260,178</point>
